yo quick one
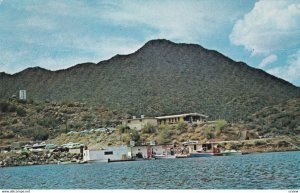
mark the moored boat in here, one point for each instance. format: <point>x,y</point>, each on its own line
<point>164,156</point>
<point>181,156</point>
<point>205,154</point>
<point>231,153</point>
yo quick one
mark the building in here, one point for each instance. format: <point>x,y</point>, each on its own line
<point>22,95</point>
<point>146,151</point>
<point>139,123</point>
<point>108,154</point>
<point>187,117</point>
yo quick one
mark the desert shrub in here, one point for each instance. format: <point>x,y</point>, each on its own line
<point>25,153</point>
<point>107,123</point>
<point>39,109</point>
<point>194,126</point>
<point>283,144</point>
<point>123,128</point>
<point>210,135</point>
<point>182,126</point>
<point>7,107</point>
<point>148,128</point>
<point>41,134</point>
<point>4,123</point>
<point>251,125</point>
<point>22,101</point>
<point>71,105</point>
<point>259,143</point>
<point>4,106</point>
<point>109,143</point>
<point>48,122</point>
<point>164,127</point>
<point>21,112</point>
<point>12,108</point>
<point>36,133</point>
<point>221,124</point>
<point>14,121</point>
<point>87,117</point>
<point>164,137</point>
<point>134,136</point>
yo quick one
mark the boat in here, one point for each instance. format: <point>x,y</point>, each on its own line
<point>204,154</point>
<point>164,156</point>
<point>181,156</point>
<point>231,152</point>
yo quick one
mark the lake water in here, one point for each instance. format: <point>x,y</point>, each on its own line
<point>255,171</point>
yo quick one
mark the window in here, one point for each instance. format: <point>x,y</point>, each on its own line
<point>108,153</point>
<point>128,121</point>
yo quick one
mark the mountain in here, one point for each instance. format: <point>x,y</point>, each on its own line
<point>160,78</point>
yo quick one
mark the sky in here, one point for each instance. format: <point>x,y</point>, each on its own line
<point>57,34</point>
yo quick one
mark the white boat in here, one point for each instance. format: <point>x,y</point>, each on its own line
<point>231,152</point>
<point>181,156</point>
<point>164,156</point>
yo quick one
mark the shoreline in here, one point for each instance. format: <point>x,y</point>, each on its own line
<point>80,161</point>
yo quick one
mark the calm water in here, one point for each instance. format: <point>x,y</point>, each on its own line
<point>256,171</point>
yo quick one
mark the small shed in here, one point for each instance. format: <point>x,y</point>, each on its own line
<point>106,154</point>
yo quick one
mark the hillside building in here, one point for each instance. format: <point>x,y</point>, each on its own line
<point>139,123</point>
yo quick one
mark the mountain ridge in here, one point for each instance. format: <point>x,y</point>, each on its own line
<point>149,43</point>
<point>162,77</point>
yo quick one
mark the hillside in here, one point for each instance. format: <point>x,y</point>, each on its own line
<point>59,123</point>
<point>280,119</point>
<point>160,78</point>
<point>32,121</point>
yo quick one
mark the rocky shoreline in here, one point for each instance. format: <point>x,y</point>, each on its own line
<point>38,158</point>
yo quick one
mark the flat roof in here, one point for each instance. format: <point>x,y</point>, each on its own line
<point>181,115</point>
<point>138,118</point>
<point>170,116</point>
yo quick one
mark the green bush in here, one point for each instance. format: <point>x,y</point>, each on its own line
<point>283,144</point>
<point>21,112</point>
<point>164,137</point>
<point>134,136</point>
<point>25,153</point>
<point>37,133</point>
<point>210,135</point>
<point>259,143</point>
<point>22,101</point>
<point>182,126</point>
<point>123,128</point>
<point>48,122</point>
<point>87,117</point>
<point>148,128</point>
<point>4,106</point>
<point>221,124</point>
<point>12,108</point>
<point>41,134</point>
<point>7,107</point>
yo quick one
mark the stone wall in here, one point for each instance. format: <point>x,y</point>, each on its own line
<point>38,158</point>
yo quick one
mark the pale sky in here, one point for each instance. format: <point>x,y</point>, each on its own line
<point>57,34</point>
